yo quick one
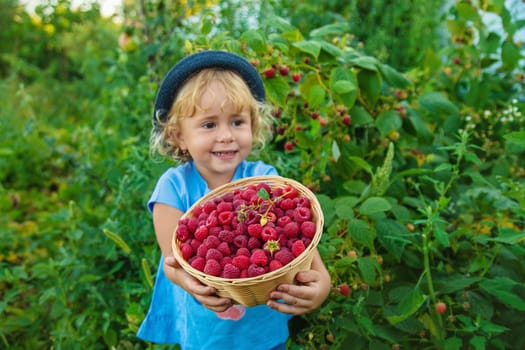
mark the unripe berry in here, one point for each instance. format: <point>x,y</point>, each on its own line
<point>441,307</point>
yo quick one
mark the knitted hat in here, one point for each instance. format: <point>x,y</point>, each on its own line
<point>191,64</point>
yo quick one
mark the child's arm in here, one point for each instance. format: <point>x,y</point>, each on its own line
<point>165,220</point>
<point>310,291</point>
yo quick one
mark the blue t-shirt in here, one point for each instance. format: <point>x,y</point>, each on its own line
<point>175,316</point>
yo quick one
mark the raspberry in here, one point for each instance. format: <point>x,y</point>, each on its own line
<point>287,204</point>
<point>183,234</point>
<point>241,261</point>
<point>290,192</point>
<point>275,264</point>
<point>284,256</point>
<point>231,271</point>
<point>212,268</point>
<point>264,186</point>
<point>201,233</point>
<point>344,289</point>
<point>244,273</point>
<point>302,214</point>
<point>213,254</point>
<point>226,260</point>
<point>259,257</point>
<point>197,211</point>
<point>226,236</point>
<point>212,219</point>
<point>308,229</point>
<point>248,194</point>
<point>195,244</point>
<point>208,207</point>
<point>253,243</point>
<point>254,270</point>
<point>225,217</point>
<point>243,251</point>
<point>441,307</point>
<point>224,206</point>
<point>283,220</point>
<point>198,263</point>
<point>214,231</point>
<point>240,241</point>
<point>298,247</point>
<point>211,242</point>
<point>254,230</point>
<point>202,250</point>
<point>224,248</point>
<point>186,251</point>
<point>291,229</point>
<point>302,202</point>
<point>192,224</point>
<point>268,233</point>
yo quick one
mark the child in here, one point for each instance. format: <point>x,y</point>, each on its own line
<point>209,113</point>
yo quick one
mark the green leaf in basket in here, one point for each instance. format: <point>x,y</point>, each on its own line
<point>263,194</point>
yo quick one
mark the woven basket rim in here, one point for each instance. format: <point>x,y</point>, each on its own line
<point>249,281</point>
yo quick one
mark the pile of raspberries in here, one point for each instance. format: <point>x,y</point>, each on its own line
<point>247,232</point>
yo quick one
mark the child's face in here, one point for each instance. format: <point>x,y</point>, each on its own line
<point>217,136</point>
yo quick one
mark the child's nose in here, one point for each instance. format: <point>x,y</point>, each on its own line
<point>225,134</point>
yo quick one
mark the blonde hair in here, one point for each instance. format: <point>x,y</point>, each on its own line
<point>187,102</point>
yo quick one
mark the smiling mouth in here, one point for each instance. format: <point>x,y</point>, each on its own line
<point>225,154</point>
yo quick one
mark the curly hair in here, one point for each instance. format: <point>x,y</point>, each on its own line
<point>163,136</point>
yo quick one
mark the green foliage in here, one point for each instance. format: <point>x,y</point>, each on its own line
<point>418,174</point>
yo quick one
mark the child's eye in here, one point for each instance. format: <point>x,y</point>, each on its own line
<point>208,125</point>
<point>238,122</point>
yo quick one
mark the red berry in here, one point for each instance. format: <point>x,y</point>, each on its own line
<point>275,264</point>
<point>291,229</point>
<point>344,289</point>
<point>254,270</point>
<point>212,268</point>
<point>288,146</point>
<point>269,73</point>
<point>298,248</point>
<point>347,119</point>
<point>287,204</point>
<point>296,77</point>
<point>284,256</point>
<point>259,257</point>
<point>314,115</point>
<point>198,263</point>
<point>182,233</point>
<point>255,230</point>
<point>308,229</point>
<point>231,271</point>
<point>441,307</point>
<point>241,261</point>
<point>268,233</point>
<point>186,251</point>
<point>225,217</point>
<point>284,70</point>
<point>213,254</point>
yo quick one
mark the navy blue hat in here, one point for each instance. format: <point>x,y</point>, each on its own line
<point>191,64</point>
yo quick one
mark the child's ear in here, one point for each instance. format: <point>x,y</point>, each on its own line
<point>177,136</point>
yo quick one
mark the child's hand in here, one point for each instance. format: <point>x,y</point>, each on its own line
<point>307,294</point>
<point>204,294</point>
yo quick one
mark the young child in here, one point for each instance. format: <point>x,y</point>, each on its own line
<point>209,114</point>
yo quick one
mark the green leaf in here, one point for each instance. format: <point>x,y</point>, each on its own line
<point>453,283</point>
<point>517,137</point>
<point>436,102</point>
<point>336,151</point>
<point>361,233</point>
<point>367,268</point>
<point>279,24</point>
<point>344,83</point>
<point>331,49</point>
<point>316,96</point>
<point>360,116</point>
<point>388,121</point>
<point>510,55</point>
<point>501,288</point>
<point>374,205</point>
<point>393,77</point>
<point>408,306</point>
<point>277,90</point>
<point>442,237</point>
<point>361,163</point>
<point>331,29</point>
<point>366,62</point>
<point>370,86</point>
<point>344,205</point>
<point>255,40</point>
<point>310,47</point>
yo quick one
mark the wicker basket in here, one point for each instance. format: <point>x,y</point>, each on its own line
<point>255,290</point>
